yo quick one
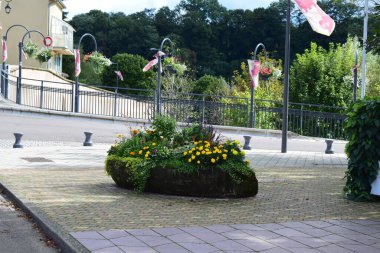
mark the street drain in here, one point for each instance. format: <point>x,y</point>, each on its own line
<point>37,160</point>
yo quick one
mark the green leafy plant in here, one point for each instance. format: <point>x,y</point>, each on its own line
<point>363,149</point>
<point>30,49</point>
<point>98,61</point>
<point>44,55</point>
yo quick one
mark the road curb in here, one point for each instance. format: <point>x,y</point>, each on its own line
<point>66,244</point>
<point>238,130</point>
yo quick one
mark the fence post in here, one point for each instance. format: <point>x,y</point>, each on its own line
<point>203,109</point>
<point>72,97</point>
<point>248,112</point>
<point>115,105</point>
<point>6,83</point>
<point>42,94</point>
<point>301,122</point>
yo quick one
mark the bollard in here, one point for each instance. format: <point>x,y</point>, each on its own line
<point>87,142</point>
<point>329,149</point>
<point>18,137</point>
<point>247,140</point>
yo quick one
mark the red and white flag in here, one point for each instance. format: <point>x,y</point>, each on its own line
<point>153,62</point>
<point>77,62</point>
<point>119,75</point>
<point>254,71</point>
<point>5,51</point>
<point>320,22</point>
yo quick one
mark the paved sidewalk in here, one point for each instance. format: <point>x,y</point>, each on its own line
<point>17,234</point>
<point>304,237</point>
<point>67,186</point>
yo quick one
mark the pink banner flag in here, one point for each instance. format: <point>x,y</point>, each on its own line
<point>320,22</point>
<point>77,62</point>
<point>5,51</point>
<point>154,61</point>
<point>254,71</point>
<point>119,75</point>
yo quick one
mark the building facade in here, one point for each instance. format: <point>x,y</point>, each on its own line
<point>44,16</point>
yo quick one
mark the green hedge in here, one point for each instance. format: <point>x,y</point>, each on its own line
<point>363,150</point>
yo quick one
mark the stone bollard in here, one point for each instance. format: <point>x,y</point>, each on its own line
<point>87,142</point>
<point>329,149</point>
<point>247,140</point>
<point>18,137</point>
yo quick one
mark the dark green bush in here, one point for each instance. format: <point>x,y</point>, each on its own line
<point>131,67</point>
<point>363,149</point>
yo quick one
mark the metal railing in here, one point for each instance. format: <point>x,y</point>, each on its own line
<point>304,119</point>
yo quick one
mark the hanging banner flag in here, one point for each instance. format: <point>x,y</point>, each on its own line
<point>320,22</point>
<point>153,62</point>
<point>5,51</point>
<point>119,75</point>
<point>254,71</point>
<point>77,62</point>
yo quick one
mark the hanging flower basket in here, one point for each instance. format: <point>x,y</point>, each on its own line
<point>30,49</point>
<point>44,55</point>
<point>268,70</point>
<point>98,61</point>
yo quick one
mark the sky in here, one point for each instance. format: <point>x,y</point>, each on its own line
<point>130,6</point>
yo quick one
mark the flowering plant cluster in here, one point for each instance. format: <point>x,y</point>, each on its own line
<point>268,69</point>
<point>97,60</point>
<point>189,150</point>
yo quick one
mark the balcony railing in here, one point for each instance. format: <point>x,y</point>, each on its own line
<point>62,34</point>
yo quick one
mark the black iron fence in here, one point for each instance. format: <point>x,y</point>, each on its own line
<point>304,119</point>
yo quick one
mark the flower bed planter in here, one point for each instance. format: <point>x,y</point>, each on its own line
<point>204,183</point>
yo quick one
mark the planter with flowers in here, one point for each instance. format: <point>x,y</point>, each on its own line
<point>44,55</point>
<point>193,161</point>
<point>269,70</point>
<point>98,61</point>
<point>30,49</point>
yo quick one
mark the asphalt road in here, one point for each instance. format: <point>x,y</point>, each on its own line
<point>42,127</point>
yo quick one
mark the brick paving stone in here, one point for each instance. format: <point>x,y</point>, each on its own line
<point>171,248</point>
<point>95,244</point>
<point>262,234</point>
<point>153,241</point>
<point>87,235</point>
<point>167,231</point>
<point>112,234</point>
<point>184,238</point>
<point>138,249</point>
<point>311,242</point>
<point>220,228</point>
<point>128,241</point>
<point>334,249</point>
<point>199,247</point>
<point>276,250</point>
<point>110,250</point>
<point>290,232</point>
<point>237,234</point>
<point>286,243</point>
<point>231,245</point>
<point>315,232</point>
<point>256,244</point>
<point>247,227</point>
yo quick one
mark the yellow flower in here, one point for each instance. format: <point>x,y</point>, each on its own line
<point>237,142</point>
<point>235,152</point>
<point>207,150</point>
<point>201,148</point>
<point>119,136</point>
<point>213,160</point>
<point>153,144</point>
<point>184,153</point>
<point>198,153</point>
<point>225,151</point>
<point>140,152</point>
<point>148,152</point>
<point>189,160</point>
<point>146,155</point>
<point>199,162</point>
<point>247,162</point>
<point>242,152</point>
<point>190,151</point>
<point>195,143</point>
<point>208,153</point>
<point>193,149</point>
<point>214,151</point>
<point>203,152</point>
<point>207,145</point>
<point>224,156</point>
<point>219,151</point>
<point>193,157</point>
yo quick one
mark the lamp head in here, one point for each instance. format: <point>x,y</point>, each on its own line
<point>7,9</point>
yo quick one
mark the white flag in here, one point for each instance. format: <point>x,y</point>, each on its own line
<point>320,22</point>
<point>254,71</point>
<point>77,62</point>
<point>154,61</point>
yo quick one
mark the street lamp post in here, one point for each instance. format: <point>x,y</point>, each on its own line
<point>20,46</point>
<point>284,146</point>
<point>251,113</point>
<point>4,88</point>
<point>158,110</point>
<point>356,76</point>
<point>76,109</point>
<point>117,87</point>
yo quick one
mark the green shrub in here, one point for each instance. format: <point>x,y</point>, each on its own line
<point>363,149</point>
<point>211,85</point>
<point>131,67</point>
